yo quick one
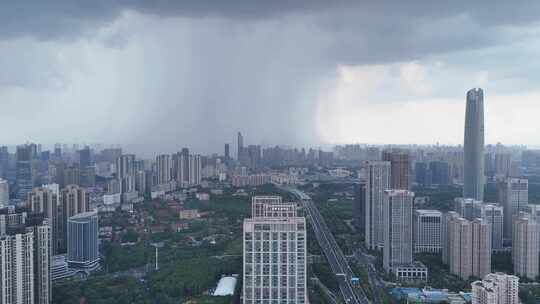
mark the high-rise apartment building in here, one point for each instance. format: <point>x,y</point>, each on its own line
<point>274,253</point>
<point>427,230</point>
<point>469,247</point>
<point>447,218</point>
<point>398,228</point>
<point>377,181</point>
<point>473,184</point>
<point>496,288</point>
<point>195,168</point>
<point>164,167</point>
<point>125,170</point>
<point>46,201</point>
<point>513,195</point>
<point>25,263</point>
<point>525,246</point>
<point>82,244</point>
<point>400,162</point>
<point>481,247</point>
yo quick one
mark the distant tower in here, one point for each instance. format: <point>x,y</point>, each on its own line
<point>227,152</point>
<point>473,185</point>
<point>240,149</point>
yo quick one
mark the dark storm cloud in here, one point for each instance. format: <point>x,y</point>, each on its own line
<point>197,71</point>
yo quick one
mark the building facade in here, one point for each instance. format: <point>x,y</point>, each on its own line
<point>83,245</point>
<point>525,246</point>
<point>513,194</point>
<point>274,253</point>
<point>427,230</point>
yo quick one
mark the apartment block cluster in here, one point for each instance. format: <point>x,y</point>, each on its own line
<point>274,258</point>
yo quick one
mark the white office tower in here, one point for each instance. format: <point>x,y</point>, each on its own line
<point>494,215</point>
<point>427,230</point>
<point>481,248</point>
<point>398,229</point>
<point>195,169</point>
<point>274,253</point>
<point>4,193</point>
<point>513,195</point>
<point>466,207</point>
<point>445,237</point>
<point>164,168</point>
<point>25,265</point>
<point>525,246</point>
<point>496,288</point>
<point>377,181</point>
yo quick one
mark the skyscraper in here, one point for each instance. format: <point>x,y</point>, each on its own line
<point>513,194</point>
<point>240,148</point>
<point>24,171</point>
<point>82,244</point>
<point>227,154</point>
<point>185,166</point>
<point>525,246</point>
<point>377,181</point>
<point>400,161</point>
<point>473,184</point>
<point>195,167</point>
<point>274,253</point>
<point>398,228</point>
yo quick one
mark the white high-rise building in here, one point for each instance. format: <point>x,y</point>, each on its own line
<point>481,247</point>
<point>164,168</point>
<point>513,195</point>
<point>525,246</point>
<point>4,193</point>
<point>274,253</point>
<point>496,288</point>
<point>469,247</point>
<point>25,266</point>
<point>427,230</point>
<point>494,215</point>
<point>445,235</point>
<point>377,181</point>
<point>398,229</point>
<point>195,169</point>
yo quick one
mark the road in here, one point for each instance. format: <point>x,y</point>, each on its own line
<point>332,251</point>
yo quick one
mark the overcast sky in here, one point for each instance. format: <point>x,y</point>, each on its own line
<point>158,75</point>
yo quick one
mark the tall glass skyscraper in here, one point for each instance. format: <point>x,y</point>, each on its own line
<point>473,185</point>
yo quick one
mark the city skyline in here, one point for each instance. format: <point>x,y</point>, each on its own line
<point>196,73</point>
